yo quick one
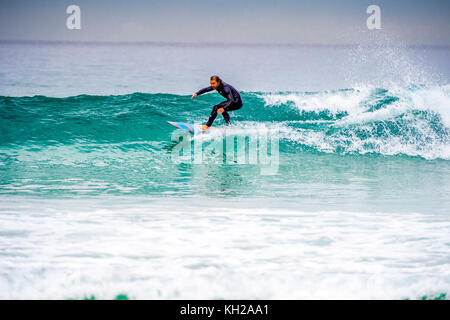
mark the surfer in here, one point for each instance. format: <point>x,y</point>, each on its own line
<point>233,102</point>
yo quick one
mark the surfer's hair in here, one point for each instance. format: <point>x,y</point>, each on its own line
<point>216,78</point>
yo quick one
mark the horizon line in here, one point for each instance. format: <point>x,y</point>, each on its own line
<point>221,44</point>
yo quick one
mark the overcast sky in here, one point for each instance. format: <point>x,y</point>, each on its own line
<point>237,21</point>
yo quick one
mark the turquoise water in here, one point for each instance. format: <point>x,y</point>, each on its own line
<point>372,147</point>
<point>93,203</point>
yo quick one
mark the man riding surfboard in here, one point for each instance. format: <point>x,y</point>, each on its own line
<point>233,102</point>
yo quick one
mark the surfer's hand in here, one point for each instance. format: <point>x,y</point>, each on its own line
<point>194,96</point>
<point>220,110</point>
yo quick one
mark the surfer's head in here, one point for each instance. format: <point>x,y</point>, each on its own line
<point>215,81</point>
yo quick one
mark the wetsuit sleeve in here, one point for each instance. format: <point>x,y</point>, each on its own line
<point>204,90</point>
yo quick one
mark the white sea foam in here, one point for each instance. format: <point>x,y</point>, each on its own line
<point>152,249</point>
<point>415,136</point>
<point>333,101</point>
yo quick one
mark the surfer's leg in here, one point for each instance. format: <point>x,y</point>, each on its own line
<point>232,107</point>
<point>213,114</point>
<point>226,117</point>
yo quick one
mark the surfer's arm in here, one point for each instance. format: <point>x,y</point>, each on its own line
<point>204,90</point>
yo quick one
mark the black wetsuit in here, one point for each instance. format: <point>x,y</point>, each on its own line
<point>233,102</point>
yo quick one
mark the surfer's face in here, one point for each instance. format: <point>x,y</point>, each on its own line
<point>214,84</point>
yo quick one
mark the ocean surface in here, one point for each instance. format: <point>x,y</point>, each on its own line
<point>348,196</point>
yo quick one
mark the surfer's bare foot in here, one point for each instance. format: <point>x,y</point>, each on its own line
<point>205,127</point>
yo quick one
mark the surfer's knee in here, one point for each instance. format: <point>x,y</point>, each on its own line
<point>214,109</point>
